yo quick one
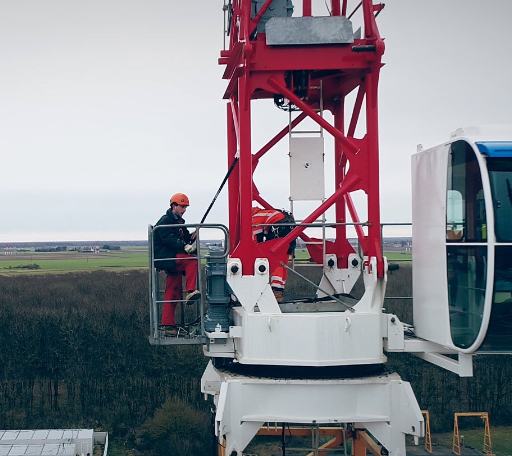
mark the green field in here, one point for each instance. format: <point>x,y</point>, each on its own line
<point>62,262</point>
<point>501,439</point>
<point>127,258</point>
<point>302,254</point>
<point>398,256</point>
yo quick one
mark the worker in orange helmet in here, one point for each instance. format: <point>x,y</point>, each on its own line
<point>173,252</point>
<point>271,224</point>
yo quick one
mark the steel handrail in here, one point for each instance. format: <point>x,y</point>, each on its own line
<point>153,288</point>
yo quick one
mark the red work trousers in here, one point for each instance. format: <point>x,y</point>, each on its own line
<point>278,277</point>
<point>184,264</point>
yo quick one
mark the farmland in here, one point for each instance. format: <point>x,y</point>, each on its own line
<point>32,262</point>
<point>129,257</point>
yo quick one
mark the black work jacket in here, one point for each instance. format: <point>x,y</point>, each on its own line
<point>169,241</point>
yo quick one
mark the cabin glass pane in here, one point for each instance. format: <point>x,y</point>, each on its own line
<point>500,175</point>
<point>467,271</point>
<point>465,206</point>
<point>499,332</point>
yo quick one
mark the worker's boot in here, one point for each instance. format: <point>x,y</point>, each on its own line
<point>278,295</point>
<point>173,331</point>
<point>192,297</point>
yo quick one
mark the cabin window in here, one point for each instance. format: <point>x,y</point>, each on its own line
<point>465,205</point>
<point>500,176</point>
<point>454,215</point>
<point>499,334</point>
<point>467,272</point>
<point>466,264</point>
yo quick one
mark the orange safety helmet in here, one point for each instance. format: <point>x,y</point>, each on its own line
<point>181,199</point>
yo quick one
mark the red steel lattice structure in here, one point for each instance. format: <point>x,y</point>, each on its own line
<point>255,70</point>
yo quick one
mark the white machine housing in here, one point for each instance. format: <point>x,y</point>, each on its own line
<point>263,334</point>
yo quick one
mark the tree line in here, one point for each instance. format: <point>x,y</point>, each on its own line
<point>75,353</point>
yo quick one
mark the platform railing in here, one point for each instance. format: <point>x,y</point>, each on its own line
<point>392,265</point>
<point>192,322</point>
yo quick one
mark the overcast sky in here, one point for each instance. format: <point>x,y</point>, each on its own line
<point>107,107</point>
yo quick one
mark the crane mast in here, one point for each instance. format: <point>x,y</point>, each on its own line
<point>307,61</point>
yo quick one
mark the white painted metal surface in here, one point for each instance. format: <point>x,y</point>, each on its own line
<point>336,280</point>
<point>252,291</point>
<point>383,404</point>
<point>312,339</point>
<point>307,180</point>
<point>430,287</point>
<point>262,334</point>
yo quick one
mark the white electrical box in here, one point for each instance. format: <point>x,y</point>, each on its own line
<point>307,177</point>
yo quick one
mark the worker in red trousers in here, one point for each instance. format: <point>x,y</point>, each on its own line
<point>271,224</point>
<point>173,252</point>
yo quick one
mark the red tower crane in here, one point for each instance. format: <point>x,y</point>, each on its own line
<point>306,71</point>
<point>307,364</point>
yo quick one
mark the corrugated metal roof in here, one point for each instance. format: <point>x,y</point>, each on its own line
<point>18,450</point>
<point>34,450</point>
<point>61,435</point>
<point>10,435</point>
<point>45,442</point>
<point>40,434</point>
<point>50,449</point>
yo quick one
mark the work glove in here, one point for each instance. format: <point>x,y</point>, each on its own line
<point>190,249</point>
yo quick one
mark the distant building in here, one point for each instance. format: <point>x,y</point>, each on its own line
<point>89,249</point>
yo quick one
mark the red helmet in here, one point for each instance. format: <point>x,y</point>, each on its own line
<point>181,199</point>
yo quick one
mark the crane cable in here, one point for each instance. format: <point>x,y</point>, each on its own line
<point>220,189</point>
